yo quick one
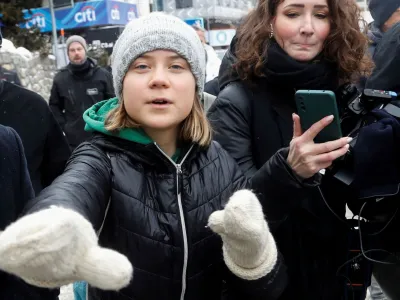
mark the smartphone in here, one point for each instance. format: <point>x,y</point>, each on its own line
<point>314,105</point>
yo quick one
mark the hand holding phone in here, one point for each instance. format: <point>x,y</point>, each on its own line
<point>307,158</point>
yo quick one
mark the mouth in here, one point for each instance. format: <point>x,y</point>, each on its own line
<point>160,102</point>
<point>304,45</point>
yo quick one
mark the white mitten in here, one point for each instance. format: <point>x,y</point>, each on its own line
<point>58,246</point>
<point>248,246</point>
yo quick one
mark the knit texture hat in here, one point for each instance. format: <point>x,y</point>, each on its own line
<point>157,31</point>
<point>382,10</point>
<point>76,38</point>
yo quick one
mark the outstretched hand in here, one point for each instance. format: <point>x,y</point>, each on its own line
<point>249,248</point>
<point>58,246</point>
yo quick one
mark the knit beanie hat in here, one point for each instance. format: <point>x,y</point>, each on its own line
<point>157,31</point>
<point>382,10</point>
<point>76,38</point>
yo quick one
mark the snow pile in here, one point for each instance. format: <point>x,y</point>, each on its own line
<point>35,72</point>
<point>8,46</point>
<point>25,53</point>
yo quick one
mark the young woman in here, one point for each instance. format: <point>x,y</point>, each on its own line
<point>281,47</point>
<point>154,187</point>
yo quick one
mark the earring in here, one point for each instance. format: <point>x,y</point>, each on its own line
<point>271,35</point>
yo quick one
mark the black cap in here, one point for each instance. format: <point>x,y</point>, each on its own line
<point>382,10</point>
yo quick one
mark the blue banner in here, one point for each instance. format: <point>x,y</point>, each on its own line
<point>82,14</point>
<point>121,13</point>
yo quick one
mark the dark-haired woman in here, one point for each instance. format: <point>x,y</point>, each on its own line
<point>284,46</point>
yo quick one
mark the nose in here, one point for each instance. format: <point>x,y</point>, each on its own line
<point>307,27</point>
<point>159,78</point>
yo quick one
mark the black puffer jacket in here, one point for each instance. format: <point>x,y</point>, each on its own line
<point>155,207</point>
<point>254,124</point>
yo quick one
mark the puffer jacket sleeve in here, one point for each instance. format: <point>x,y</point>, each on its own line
<point>85,186</point>
<point>230,117</point>
<point>272,285</point>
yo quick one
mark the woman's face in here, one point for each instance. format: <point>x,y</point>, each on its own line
<point>159,90</point>
<point>301,27</point>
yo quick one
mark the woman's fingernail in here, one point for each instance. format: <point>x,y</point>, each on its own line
<point>349,139</point>
<point>329,118</point>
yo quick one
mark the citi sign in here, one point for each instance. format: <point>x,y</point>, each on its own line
<point>115,13</point>
<point>38,20</point>
<point>87,14</point>
<point>131,14</point>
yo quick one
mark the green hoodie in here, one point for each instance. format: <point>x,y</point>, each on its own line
<point>97,114</point>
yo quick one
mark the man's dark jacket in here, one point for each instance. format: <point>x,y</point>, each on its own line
<point>74,90</point>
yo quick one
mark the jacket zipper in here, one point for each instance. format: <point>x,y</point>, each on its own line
<point>178,168</point>
<point>72,97</point>
<point>99,231</point>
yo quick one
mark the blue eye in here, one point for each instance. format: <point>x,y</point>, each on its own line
<point>176,67</point>
<point>141,67</point>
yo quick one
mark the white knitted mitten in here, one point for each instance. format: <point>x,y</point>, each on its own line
<point>248,246</point>
<point>58,246</point>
